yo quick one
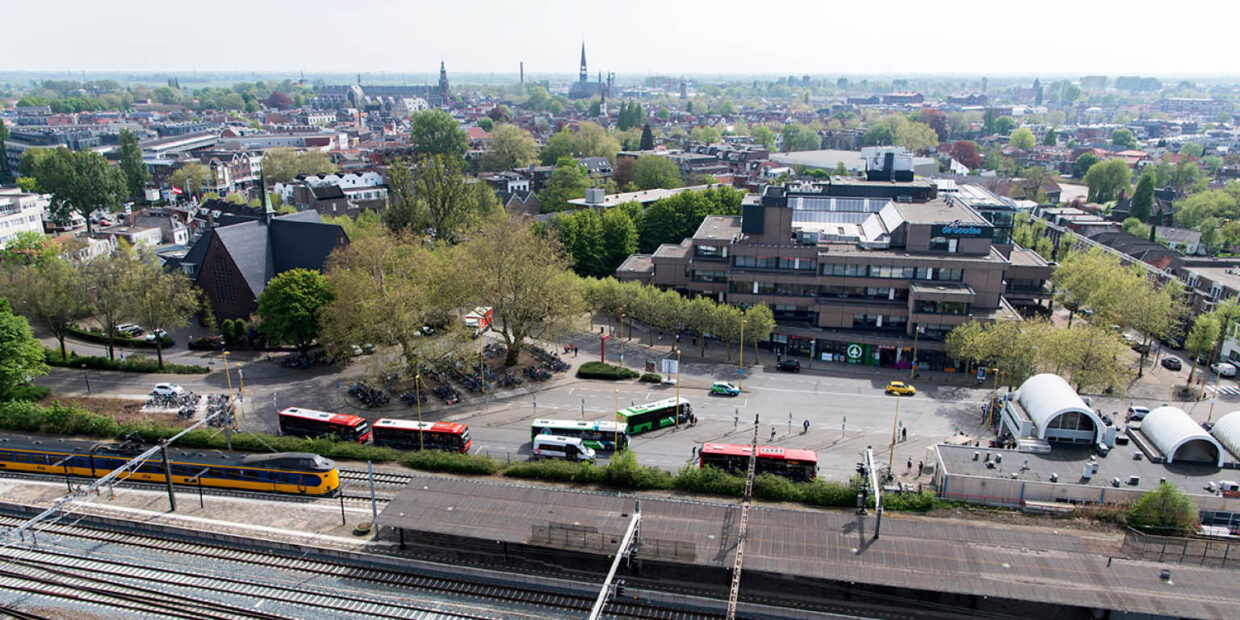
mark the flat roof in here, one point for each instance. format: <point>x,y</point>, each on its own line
<point>1024,257</point>
<point>826,250</point>
<point>1047,564</point>
<point>1069,460</point>
<point>644,196</point>
<point>943,288</point>
<point>719,228</point>
<point>671,250</point>
<point>638,263</point>
<point>1227,276</point>
<point>938,211</point>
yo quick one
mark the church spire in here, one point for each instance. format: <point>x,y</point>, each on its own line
<point>584,75</point>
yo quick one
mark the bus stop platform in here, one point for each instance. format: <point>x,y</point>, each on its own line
<point>970,566</point>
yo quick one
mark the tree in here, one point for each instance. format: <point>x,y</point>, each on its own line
<point>622,173</point>
<point>1188,177</point>
<point>1004,125</point>
<point>1164,510</point>
<point>163,300</point>
<point>435,132</point>
<point>656,171</point>
<point>1143,199</point>
<point>568,181</point>
<point>1088,354</point>
<point>50,293</point>
<point>289,307</point>
<point>79,182</point>
<point>937,121</point>
<point>559,145</point>
<point>524,278</point>
<point>1192,149</point>
<point>592,140</point>
<point>1108,180</point>
<point>511,147</point>
<point>1051,138</point>
<point>384,289</point>
<point>1123,137</point>
<point>403,209</point>
<point>283,164</point>
<point>647,138</point>
<point>581,234</point>
<point>447,201</point>
<point>1083,164</point>
<point>1022,139</point>
<point>764,136</point>
<point>965,152</point>
<point>486,124</point>
<point>21,354</point>
<point>705,135</point>
<point>111,290</point>
<point>1205,331</point>
<point>1190,212</point>
<point>191,177</point>
<point>1134,226</point>
<point>619,237</point>
<point>798,137</point>
<point>279,100</point>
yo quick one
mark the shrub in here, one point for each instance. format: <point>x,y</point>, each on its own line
<point>453,462</point>
<point>206,343</point>
<point>651,377</point>
<point>776,489</point>
<point>557,471</point>
<point>822,493</point>
<point>693,479</point>
<point>599,370</point>
<point>30,392</point>
<point>1165,509</point>
<point>910,502</point>
<point>91,335</point>
<point>624,472</point>
<point>135,363</point>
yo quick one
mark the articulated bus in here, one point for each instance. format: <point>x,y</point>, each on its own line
<point>599,434</point>
<point>798,465</point>
<point>656,415</point>
<point>300,422</point>
<point>403,435</point>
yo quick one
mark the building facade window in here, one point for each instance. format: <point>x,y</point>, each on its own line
<point>756,262</point>
<point>709,276</point>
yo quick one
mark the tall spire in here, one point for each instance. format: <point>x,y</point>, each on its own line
<point>584,75</point>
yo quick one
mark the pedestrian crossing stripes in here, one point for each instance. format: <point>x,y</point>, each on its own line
<point>1223,390</point>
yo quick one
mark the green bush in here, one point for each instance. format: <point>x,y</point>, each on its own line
<point>776,489</point>
<point>599,370</point>
<point>909,502</point>
<point>624,472</point>
<point>823,493</point>
<point>556,471</point>
<point>453,462</point>
<point>91,335</point>
<point>693,479</point>
<point>134,363</point>
<point>30,392</point>
<point>651,377</point>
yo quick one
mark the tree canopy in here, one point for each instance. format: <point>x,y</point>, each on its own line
<point>568,181</point>
<point>1164,510</point>
<point>283,164</point>
<point>656,171</point>
<point>289,307</point>
<point>79,181</point>
<point>131,164</point>
<point>1022,139</point>
<point>435,132</point>
<point>510,147</point>
<point>1108,180</point>
<point>21,354</point>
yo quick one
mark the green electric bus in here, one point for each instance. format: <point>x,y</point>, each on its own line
<point>598,434</point>
<point>651,416</point>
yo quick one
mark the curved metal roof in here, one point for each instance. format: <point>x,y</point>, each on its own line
<point>1169,428</point>
<point>1047,396</point>
<point>1227,432</point>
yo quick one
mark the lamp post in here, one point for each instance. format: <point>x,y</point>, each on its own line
<point>615,419</point>
<point>913,368</point>
<point>740,383</point>
<point>891,463</point>
<point>677,419</point>
<point>86,377</point>
<point>418,399</point>
<point>994,393</point>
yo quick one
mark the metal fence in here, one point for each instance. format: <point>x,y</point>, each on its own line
<point>1201,551</point>
<point>588,538</point>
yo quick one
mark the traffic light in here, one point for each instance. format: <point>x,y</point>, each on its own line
<point>620,589</point>
<point>861,471</point>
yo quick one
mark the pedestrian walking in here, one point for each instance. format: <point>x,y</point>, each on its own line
<point>695,452</point>
<point>910,464</point>
<point>805,425</point>
<point>772,433</point>
<point>921,467</point>
<point>736,419</point>
<point>904,434</point>
<point>574,350</point>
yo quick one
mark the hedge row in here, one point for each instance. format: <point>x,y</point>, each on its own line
<point>599,370</point>
<point>651,377</point>
<point>133,363</point>
<point>622,472</point>
<point>119,340</point>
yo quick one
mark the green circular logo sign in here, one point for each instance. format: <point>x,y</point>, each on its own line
<point>854,351</point>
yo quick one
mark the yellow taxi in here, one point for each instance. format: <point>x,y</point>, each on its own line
<point>900,388</point>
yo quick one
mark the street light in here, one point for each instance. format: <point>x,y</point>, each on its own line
<point>677,419</point>
<point>615,436</point>
<point>86,376</point>
<point>891,463</point>
<point>913,368</point>
<point>418,399</point>
<point>740,383</point>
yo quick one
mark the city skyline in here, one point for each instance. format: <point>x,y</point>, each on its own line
<point>967,38</point>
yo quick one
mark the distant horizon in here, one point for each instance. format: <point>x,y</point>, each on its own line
<point>902,38</point>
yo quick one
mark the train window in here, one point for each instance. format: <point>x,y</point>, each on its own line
<point>309,480</point>
<point>21,457</point>
<point>6,456</point>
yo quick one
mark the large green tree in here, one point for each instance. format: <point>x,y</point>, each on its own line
<point>524,278</point>
<point>435,132</point>
<point>656,171</point>
<point>510,147</point>
<point>21,354</point>
<point>283,164</point>
<point>289,307</point>
<point>79,182</point>
<point>1083,164</point>
<point>1123,137</point>
<point>568,181</point>
<point>1143,199</point>
<point>192,177</point>
<point>50,293</point>
<point>136,174</point>
<point>446,201</point>
<point>647,143</point>
<point>1108,180</point>
<point>1022,139</point>
<point>162,300</point>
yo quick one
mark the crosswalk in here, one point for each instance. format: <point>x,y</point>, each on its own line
<point>1223,390</point>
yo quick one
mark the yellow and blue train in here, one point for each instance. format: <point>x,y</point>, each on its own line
<point>298,473</point>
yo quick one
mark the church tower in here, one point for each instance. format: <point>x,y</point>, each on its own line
<point>584,74</point>
<point>444,94</point>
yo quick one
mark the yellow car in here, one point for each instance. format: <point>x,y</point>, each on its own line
<point>900,388</point>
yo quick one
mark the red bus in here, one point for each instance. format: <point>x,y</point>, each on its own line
<point>799,465</point>
<point>301,422</point>
<point>404,435</point>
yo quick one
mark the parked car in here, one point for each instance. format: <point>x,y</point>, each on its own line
<point>1171,363</point>
<point>159,333</point>
<point>900,388</point>
<point>129,329</point>
<point>1172,343</point>
<point>1136,414</point>
<point>1223,369</point>
<point>789,366</point>
<point>167,389</point>
<point>724,388</point>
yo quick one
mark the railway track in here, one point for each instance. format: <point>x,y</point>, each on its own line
<point>381,477</point>
<point>110,582</point>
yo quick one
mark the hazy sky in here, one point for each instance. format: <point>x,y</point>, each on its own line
<point>822,37</point>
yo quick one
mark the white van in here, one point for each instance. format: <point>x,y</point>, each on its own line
<point>560,447</point>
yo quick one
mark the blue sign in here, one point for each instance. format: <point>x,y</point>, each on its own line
<point>964,230</point>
